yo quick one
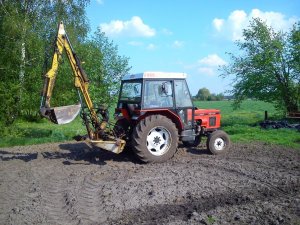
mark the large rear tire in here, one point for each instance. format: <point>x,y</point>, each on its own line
<point>155,139</point>
<point>218,142</point>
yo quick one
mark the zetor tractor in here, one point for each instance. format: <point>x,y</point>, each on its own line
<point>154,111</point>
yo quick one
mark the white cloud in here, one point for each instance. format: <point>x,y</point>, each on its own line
<point>100,2</point>
<point>218,23</point>
<point>151,46</point>
<point>177,44</point>
<point>209,64</point>
<point>134,27</point>
<point>238,20</point>
<point>212,60</point>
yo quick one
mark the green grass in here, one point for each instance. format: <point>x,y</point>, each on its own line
<point>240,124</point>
<point>28,133</point>
<point>246,134</point>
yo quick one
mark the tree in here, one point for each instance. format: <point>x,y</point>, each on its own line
<point>106,82</point>
<point>104,67</point>
<point>268,67</point>
<point>26,31</point>
<point>203,94</point>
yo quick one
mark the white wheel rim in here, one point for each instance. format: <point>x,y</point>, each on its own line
<point>158,141</point>
<point>219,144</point>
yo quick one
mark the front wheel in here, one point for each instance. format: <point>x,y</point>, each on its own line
<point>218,142</point>
<point>155,139</point>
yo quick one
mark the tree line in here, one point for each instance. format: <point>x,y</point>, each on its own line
<point>205,95</point>
<point>27,33</point>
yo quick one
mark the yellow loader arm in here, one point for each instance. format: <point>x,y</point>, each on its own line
<point>65,114</point>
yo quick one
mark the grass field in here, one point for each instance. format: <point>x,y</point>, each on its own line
<point>240,124</point>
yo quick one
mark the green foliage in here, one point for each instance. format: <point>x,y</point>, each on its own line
<point>27,33</point>
<point>107,70</point>
<point>205,95</point>
<point>103,66</point>
<point>210,219</point>
<point>114,67</point>
<point>268,67</point>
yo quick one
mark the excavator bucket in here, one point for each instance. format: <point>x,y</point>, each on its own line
<point>62,114</point>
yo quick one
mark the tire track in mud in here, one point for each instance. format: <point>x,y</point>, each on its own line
<point>75,198</point>
<point>60,202</point>
<point>89,200</point>
<point>12,190</point>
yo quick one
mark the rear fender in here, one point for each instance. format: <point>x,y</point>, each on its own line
<point>165,112</point>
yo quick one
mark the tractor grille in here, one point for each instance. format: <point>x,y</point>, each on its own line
<point>212,121</point>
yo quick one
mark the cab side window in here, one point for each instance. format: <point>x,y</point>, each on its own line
<point>182,95</point>
<point>158,94</point>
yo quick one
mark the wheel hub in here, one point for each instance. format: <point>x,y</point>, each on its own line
<point>219,144</point>
<point>158,141</point>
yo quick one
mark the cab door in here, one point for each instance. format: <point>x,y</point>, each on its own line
<point>183,103</point>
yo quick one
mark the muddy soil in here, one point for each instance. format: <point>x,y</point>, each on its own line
<point>71,183</point>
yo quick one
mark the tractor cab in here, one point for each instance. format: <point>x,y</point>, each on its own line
<point>156,92</point>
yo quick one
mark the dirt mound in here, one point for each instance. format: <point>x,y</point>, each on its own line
<point>71,183</point>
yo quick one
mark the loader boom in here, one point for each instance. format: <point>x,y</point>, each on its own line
<point>65,114</point>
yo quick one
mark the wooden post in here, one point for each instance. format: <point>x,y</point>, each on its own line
<point>266,115</point>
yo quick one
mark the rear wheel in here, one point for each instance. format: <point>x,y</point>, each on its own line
<point>155,139</point>
<point>218,142</point>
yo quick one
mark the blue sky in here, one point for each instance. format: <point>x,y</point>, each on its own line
<point>190,36</point>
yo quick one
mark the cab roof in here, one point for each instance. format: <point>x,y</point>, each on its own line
<point>155,75</point>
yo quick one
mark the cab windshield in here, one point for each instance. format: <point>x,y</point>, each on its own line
<point>131,91</point>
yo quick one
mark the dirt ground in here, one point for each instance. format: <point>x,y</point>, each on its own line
<point>71,183</point>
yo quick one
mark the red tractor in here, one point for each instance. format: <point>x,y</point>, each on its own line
<point>155,111</point>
